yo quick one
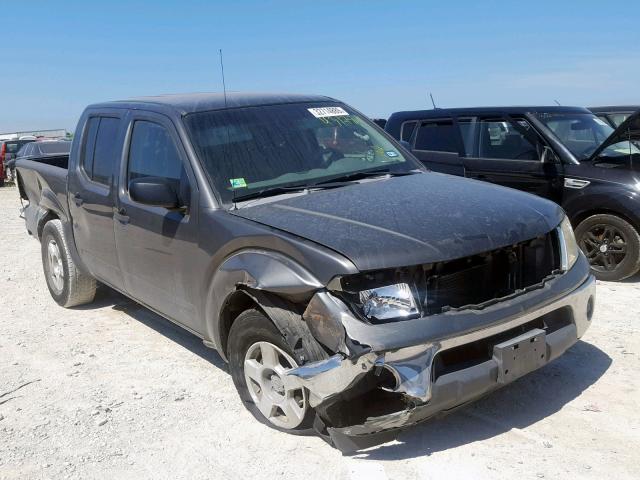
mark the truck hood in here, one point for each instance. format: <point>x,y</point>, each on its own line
<point>411,220</point>
<point>628,130</point>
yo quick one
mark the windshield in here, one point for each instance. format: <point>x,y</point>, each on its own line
<point>583,133</point>
<point>248,150</point>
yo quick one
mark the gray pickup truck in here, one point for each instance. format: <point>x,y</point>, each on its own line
<point>350,290</point>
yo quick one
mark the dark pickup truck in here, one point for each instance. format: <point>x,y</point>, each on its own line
<point>349,289</point>
<point>566,154</point>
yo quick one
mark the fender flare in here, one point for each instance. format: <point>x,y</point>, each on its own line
<point>255,271</point>
<point>48,208</point>
<point>608,199</point>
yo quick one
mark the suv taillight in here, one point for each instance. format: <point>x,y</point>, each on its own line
<point>3,151</point>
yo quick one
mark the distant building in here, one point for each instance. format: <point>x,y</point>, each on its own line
<point>54,133</point>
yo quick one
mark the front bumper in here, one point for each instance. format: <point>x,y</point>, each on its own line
<point>424,391</point>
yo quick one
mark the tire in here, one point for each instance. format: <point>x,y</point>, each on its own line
<point>68,286</point>
<point>612,246</point>
<point>253,328</point>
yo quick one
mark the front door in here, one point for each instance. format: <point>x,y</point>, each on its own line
<point>508,151</point>
<point>92,187</point>
<point>155,244</point>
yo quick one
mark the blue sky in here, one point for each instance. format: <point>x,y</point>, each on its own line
<point>379,56</point>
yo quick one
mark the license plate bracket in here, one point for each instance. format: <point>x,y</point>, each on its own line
<point>520,355</point>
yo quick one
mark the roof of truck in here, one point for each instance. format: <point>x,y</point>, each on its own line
<point>615,108</point>
<point>200,102</point>
<point>515,110</point>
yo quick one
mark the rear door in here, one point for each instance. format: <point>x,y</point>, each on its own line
<point>92,194</point>
<point>436,143</point>
<point>156,244</point>
<point>507,150</point>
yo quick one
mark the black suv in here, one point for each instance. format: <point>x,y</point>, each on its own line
<point>566,154</point>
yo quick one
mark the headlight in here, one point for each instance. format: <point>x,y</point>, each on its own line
<point>386,303</point>
<point>568,245</point>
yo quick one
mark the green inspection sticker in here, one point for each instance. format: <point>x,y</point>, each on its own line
<point>238,183</point>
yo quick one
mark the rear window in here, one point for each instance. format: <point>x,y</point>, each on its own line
<point>437,136</point>
<point>55,148</point>
<point>99,154</point>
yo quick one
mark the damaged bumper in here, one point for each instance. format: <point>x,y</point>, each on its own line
<point>387,377</point>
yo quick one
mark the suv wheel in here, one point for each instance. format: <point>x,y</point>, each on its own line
<point>258,357</point>
<point>611,245</point>
<point>67,285</point>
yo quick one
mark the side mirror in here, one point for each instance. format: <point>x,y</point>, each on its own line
<point>548,155</point>
<point>406,145</point>
<point>155,191</point>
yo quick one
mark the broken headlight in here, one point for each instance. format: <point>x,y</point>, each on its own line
<point>388,303</point>
<point>568,245</point>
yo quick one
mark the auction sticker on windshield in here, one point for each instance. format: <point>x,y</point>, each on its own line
<point>323,112</point>
<point>238,182</point>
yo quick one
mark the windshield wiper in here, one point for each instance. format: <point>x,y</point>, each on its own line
<point>271,191</point>
<point>365,174</point>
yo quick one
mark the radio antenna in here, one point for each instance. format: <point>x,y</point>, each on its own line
<point>224,92</point>
<point>557,102</point>
<point>224,85</point>
<point>432,102</point>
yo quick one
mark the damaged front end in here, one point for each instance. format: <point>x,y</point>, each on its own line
<point>448,344</point>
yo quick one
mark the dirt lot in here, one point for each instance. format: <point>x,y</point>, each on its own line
<point>114,391</point>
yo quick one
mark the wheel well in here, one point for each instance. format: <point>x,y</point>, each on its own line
<point>21,191</point>
<point>238,302</point>
<point>582,216</point>
<point>47,218</point>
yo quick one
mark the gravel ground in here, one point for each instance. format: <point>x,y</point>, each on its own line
<point>111,390</point>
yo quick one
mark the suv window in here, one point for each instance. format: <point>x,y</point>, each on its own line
<point>99,152</point>
<point>406,130</point>
<point>437,136</point>
<point>500,138</point>
<point>618,118</point>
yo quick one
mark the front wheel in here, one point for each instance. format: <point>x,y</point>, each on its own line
<point>258,358</point>
<point>611,245</point>
<point>68,286</point>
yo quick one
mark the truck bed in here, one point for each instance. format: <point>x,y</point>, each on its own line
<point>42,185</point>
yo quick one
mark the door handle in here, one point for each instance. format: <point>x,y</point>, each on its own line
<point>78,199</point>
<point>121,216</point>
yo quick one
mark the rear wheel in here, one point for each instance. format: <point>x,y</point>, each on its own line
<point>258,358</point>
<point>611,245</point>
<point>67,285</point>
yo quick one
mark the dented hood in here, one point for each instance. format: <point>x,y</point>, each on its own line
<point>411,220</point>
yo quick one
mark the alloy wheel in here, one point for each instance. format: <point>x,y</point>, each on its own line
<point>605,247</point>
<point>278,399</point>
<point>56,269</point>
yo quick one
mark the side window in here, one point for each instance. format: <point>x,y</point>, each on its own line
<point>437,136</point>
<point>89,144</point>
<point>104,157</point>
<point>406,130</point>
<point>99,153</point>
<point>469,132</point>
<point>500,138</point>
<point>153,153</point>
